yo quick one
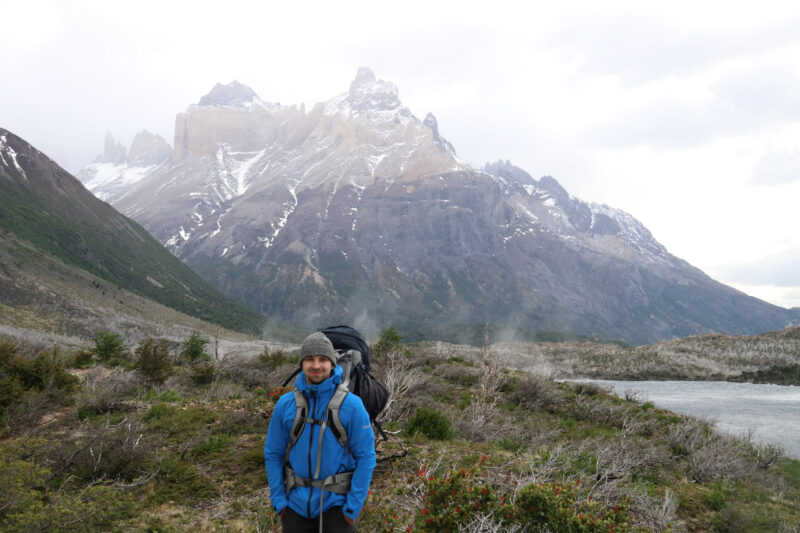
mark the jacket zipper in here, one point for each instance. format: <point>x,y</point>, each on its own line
<point>311,409</point>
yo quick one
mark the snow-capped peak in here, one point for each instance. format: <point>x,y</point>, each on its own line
<point>368,94</point>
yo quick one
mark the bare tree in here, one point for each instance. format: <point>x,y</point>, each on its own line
<point>401,376</point>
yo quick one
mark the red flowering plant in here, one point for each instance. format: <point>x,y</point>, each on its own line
<point>555,507</point>
<point>452,500</point>
<point>276,393</point>
<point>455,499</point>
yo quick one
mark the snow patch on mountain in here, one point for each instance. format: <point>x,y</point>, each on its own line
<point>634,232</point>
<point>219,222</point>
<point>12,155</point>
<point>290,206</point>
<point>107,180</point>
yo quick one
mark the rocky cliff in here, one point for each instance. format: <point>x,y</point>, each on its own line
<point>358,211</point>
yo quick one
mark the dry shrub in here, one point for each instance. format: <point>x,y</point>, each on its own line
<point>721,458</point>
<point>546,465</point>
<point>460,375</point>
<point>403,410</point>
<point>708,454</point>
<point>533,434</point>
<point>588,408</point>
<point>220,390</point>
<point>654,514</point>
<point>623,457</point>
<point>103,391</point>
<point>252,372</point>
<point>181,382</point>
<point>487,523</point>
<point>243,421</point>
<point>587,388</point>
<point>121,451</point>
<point>687,436</point>
<point>482,422</point>
<point>402,376</point>
<point>33,411</point>
<point>537,391</point>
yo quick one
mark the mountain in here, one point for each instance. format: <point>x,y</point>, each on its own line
<point>115,170</point>
<point>46,212</point>
<point>358,211</point>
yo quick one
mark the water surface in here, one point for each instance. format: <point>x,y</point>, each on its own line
<point>771,412</point>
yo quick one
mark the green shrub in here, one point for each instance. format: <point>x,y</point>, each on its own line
<point>192,349</point>
<point>8,350</point>
<point>157,411</point>
<point>389,342</point>
<point>556,507</point>
<point>253,457</point>
<point>169,395</point>
<point>212,445</point>
<point>180,425</point>
<point>203,374</point>
<point>152,359</point>
<point>11,391</point>
<point>110,347</point>
<point>430,423</point>
<point>44,370</point>
<point>453,501</point>
<point>273,360</point>
<point>25,378</point>
<point>82,359</point>
<point>180,482</point>
<point>27,503</point>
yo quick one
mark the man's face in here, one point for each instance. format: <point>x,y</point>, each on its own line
<point>317,368</point>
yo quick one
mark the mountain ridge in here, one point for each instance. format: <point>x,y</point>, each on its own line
<point>359,211</point>
<point>50,209</point>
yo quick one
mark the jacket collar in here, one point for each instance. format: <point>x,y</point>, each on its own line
<point>326,386</point>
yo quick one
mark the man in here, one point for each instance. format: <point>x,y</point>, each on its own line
<point>304,488</point>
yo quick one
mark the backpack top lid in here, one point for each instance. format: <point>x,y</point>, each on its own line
<point>346,338</point>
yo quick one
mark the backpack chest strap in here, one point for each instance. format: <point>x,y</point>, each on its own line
<point>337,483</point>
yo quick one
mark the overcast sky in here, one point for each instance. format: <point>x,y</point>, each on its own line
<point>685,115</point>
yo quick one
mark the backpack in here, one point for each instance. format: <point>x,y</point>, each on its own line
<point>356,378</point>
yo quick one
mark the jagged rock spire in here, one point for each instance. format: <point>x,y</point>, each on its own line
<point>370,94</point>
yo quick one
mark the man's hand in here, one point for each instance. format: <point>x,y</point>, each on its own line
<point>349,520</point>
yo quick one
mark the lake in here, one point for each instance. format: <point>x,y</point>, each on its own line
<point>772,412</point>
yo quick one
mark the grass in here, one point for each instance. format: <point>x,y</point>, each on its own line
<point>203,467</point>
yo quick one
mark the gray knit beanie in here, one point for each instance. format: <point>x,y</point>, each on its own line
<point>318,344</point>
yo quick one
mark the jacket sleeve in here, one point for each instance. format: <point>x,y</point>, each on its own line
<point>362,445</point>
<point>274,450</point>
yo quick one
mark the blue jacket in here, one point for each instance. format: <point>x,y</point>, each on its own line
<point>335,459</point>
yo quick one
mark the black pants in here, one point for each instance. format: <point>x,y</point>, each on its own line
<point>332,522</point>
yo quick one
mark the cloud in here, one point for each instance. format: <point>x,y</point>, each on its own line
<point>742,102</point>
<point>787,297</point>
<point>777,168</point>
<point>28,25</point>
<point>643,44</point>
<point>779,270</point>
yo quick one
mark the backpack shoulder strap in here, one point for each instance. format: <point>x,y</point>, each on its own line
<point>349,361</point>
<point>334,420</point>
<point>300,415</point>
